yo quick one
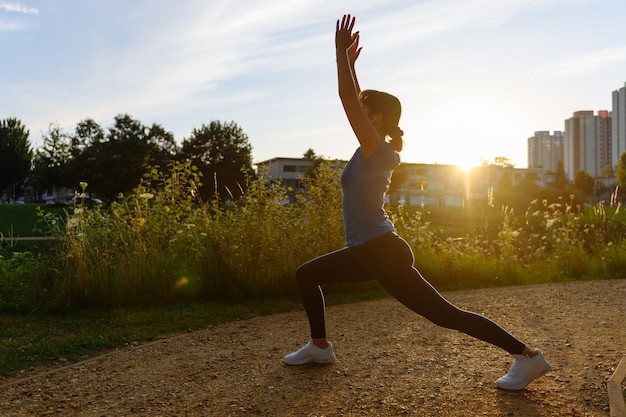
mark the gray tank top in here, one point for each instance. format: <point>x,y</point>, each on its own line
<point>364,183</point>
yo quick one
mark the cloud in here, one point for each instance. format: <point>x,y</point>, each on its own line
<point>584,63</point>
<point>16,7</point>
<point>426,19</point>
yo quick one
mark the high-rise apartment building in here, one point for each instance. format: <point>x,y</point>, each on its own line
<point>545,150</point>
<point>618,137</point>
<point>587,143</point>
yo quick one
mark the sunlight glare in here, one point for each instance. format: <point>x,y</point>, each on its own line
<point>467,133</point>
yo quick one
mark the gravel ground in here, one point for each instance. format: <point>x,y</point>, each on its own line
<point>389,362</point>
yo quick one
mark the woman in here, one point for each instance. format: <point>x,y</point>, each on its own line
<point>374,250</point>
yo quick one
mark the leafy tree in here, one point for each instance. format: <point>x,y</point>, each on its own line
<point>85,146</point>
<point>504,192</point>
<point>309,154</point>
<point>503,161</point>
<point>161,145</point>
<point>223,155</point>
<point>15,155</point>
<point>584,182</point>
<point>51,161</point>
<point>316,160</point>
<point>621,170</point>
<point>114,162</point>
<point>560,179</point>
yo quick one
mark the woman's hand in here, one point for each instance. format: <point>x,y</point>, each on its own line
<point>345,40</point>
<point>354,50</point>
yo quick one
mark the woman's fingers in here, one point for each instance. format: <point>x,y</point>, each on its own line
<point>343,32</point>
<point>347,23</point>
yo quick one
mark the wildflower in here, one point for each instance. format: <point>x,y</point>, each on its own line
<point>146,196</point>
<point>72,223</point>
<point>550,223</point>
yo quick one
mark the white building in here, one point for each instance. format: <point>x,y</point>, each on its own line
<point>428,185</point>
<point>618,134</point>
<point>545,150</point>
<point>487,178</point>
<point>587,143</point>
<point>289,170</point>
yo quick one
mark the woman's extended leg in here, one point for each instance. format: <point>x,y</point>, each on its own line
<point>391,260</point>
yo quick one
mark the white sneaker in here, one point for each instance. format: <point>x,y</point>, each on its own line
<point>311,354</point>
<point>523,371</point>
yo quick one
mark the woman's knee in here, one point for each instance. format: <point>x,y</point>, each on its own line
<point>304,275</point>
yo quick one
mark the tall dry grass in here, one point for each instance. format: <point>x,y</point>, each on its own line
<point>162,244</point>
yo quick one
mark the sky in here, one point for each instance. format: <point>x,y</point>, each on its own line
<point>476,78</point>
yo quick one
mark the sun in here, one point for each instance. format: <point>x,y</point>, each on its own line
<point>466,133</point>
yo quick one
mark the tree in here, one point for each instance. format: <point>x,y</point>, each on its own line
<point>161,146</point>
<point>114,162</point>
<point>15,155</point>
<point>560,179</point>
<point>503,161</point>
<point>52,161</point>
<point>584,182</point>
<point>309,154</point>
<point>85,146</point>
<point>504,193</point>
<point>621,170</point>
<point>316,161</point>
<point>223,155</point>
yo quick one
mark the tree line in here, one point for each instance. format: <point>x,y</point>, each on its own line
<point>113,160</point>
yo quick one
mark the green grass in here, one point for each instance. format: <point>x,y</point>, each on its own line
<point>31,340</point>
<point>28,341</point>
<point>19,220</point>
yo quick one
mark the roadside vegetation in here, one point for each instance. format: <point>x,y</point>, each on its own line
<point>161,260</point>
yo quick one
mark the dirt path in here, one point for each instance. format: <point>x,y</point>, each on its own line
<point>389,362</point>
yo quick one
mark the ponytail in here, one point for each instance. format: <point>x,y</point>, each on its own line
<point>396,139</point>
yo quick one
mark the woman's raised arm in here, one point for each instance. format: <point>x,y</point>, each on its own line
<point>348,50</point>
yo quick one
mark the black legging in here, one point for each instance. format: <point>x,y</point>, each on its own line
<point>389,260</point>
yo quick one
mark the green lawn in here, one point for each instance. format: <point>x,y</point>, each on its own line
<point>19,220</point>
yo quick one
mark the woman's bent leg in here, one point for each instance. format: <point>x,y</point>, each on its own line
<point>338,266</point>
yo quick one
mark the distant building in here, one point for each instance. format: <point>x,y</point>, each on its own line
<point>545,150</point>
<point>428,185</point>
<point>413,184</point>
<point>487,178</point>
<point>618,134</point>
<point>288,170</point>
<point>587,143</point>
